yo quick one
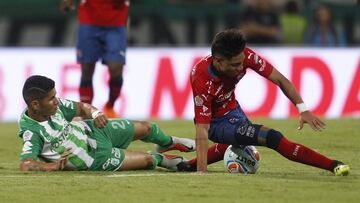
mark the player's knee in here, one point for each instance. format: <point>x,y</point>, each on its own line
<point>116,81</point>
<point>115,70</point>
<point>87,71</point>
<point>146,127</point>
<point>273,139</point>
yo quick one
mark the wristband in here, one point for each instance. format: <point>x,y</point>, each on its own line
<point>301,107</point>
<point>95,114</point>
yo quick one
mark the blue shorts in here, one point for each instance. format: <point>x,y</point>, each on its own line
<point>98,42</point>
<point>234,128</point>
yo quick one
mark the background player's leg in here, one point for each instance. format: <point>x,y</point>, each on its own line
<point>88,53</point>
<point>86,86</point>
<point>115,84</point>
<point>115,42</point>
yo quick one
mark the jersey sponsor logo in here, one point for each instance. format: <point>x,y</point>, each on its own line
<point>56,142</point>
<point>27,135</point>
<point>222,97</point>
<point>205,114</point>
<point>198,101</point>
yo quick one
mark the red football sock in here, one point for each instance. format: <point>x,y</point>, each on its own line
<point>86,94</point>
<point>300,153</point>
<point>215,153</point>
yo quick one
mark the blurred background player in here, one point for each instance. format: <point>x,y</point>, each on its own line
<point>261,23</point>
<point>219,117</point>
<point>322,32</point>
<point>101,35</point>
<point>293,24</point>
<point>53,141</point>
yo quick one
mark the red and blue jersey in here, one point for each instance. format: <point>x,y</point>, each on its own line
<point>214,95</point>
<point>103,12</point>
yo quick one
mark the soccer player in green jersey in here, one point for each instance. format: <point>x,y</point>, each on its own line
<point>52,141</point>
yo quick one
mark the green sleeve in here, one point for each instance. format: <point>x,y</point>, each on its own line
<point>32,145</point>
<point>68,108</point>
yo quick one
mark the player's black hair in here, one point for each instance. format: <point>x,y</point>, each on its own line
<point>37,87</point>
<point>228,43</point>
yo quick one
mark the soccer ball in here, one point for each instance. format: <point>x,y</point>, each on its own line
<point>241,159</point>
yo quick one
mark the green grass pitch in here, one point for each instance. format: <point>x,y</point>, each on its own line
<point>277,180</point>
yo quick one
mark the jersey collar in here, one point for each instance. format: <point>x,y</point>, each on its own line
<point>213,73</point>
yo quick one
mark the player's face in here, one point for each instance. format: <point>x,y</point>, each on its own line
<point>231,67</point>
<point>48,105</point>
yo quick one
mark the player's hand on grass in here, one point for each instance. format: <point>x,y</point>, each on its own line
<point>315,123</point>
<point>100,120</point>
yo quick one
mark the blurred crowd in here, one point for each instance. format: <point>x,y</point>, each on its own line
<point>326,23</point>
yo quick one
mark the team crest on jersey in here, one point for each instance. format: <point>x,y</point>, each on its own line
<point>27,135</point>
<point>198,101</point>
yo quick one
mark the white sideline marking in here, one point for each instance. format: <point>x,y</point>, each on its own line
<point>151,174</point>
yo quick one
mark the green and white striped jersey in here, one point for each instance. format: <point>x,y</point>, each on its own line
<point>47,140</point>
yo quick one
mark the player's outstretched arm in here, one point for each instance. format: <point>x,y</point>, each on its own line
<point>290,92</point>
<point>202,146</point>
<point>32,165</point>
<point>87,111</point>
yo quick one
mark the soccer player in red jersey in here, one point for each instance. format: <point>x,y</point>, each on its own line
<point>101,35</point>
<point>219,117</point>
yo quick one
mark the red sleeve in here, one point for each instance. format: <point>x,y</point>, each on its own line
<point>257,63</point>
<point>202,100</point>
